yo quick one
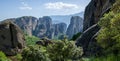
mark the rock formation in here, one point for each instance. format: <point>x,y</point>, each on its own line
<point>93,12</point>
<point>27,23</point>
<point>11,38</point>
<point>59,29</point>
<point>75,26</point>
<point>41,27</point>
<point>86,37</point>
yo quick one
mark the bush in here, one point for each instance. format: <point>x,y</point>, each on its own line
<point>3,57</point>
<point>109,57</point>
<point>18,57</point>
<point>58,51</point>
<point>63,51</point>
<point>76,36</point>
<point>34,53</point>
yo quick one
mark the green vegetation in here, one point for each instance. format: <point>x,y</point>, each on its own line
<point>34,53</point>
<point>109,35</point>
<point>109,57</point>
<point>3,57</point>
<point>63,51</point>
<point>76,36</point>
<point>58,51</point>
<point>18,57</point>
<point>31,40</point>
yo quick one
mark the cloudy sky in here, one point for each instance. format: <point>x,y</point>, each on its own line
<point>38,8</point>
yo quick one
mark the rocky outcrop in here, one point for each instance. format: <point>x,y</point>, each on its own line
<point>11,38</point>
<point>44,42</point>
<point>75,26</point>
<point>45,28</point>
<point>27,23</point>
<point>93,12</point>
<point>86,37</point>
<point>59,28</point>
<point>94,49</point>
<point>42,27</point>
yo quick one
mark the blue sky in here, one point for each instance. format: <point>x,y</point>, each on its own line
<point>38,8</point>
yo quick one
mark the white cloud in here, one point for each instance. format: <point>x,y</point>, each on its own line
<point>60,6</point>
<point>25,6</point>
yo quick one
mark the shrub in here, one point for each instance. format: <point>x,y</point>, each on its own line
<point>109,57</point>
<point>18,57</point>
<point>57,51</point>
<point>76,36</point>
<point>34,53</point>
<point>63,51</point>
<point>3,57</point>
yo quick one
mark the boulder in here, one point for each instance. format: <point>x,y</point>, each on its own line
<point>11,38</point>
<point>44,42</point>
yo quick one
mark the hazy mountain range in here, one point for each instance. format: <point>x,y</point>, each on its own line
<point>65,18</point>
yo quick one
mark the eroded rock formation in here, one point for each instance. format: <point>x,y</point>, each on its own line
<point>11,38</point>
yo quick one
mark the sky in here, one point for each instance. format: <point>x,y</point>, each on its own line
<point>39,8</point>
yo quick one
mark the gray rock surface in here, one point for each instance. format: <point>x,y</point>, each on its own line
<point>85,38</point>
<point>11,38</point>
<point>93,12</point>
<point>59,28</point>
<point>42,27</point>
<point>27,23</point>
<point>75,26</point>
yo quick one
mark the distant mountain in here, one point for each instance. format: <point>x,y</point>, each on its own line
<point>50,26</point>
<point>65,18</point>
<point>42,27</point>
<point>81,14</point>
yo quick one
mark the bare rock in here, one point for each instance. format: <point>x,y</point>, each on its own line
<point>11,38</point>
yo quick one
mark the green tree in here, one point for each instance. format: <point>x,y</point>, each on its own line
<point>57,51</point>
<point>63,51</point>
<point>76,36</point>
<point>109,36</point>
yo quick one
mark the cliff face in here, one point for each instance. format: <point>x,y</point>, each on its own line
<point>75,26</point>
<point>41,27</point>
<point>59,28</point>
<point>27,23</point>
<point>94,11</point>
